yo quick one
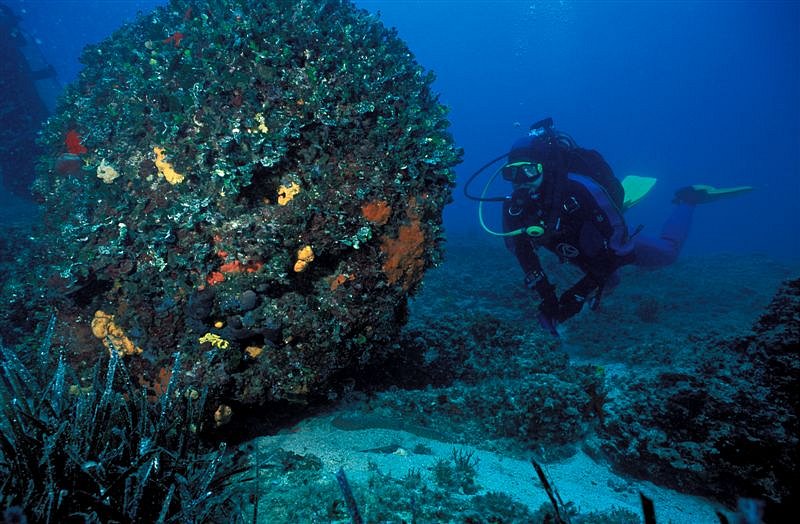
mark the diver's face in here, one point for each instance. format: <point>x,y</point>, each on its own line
<point>525,175</point>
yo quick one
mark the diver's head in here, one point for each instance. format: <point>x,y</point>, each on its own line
<point>526,163</point>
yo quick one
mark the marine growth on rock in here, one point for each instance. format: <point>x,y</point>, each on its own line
<point>280,173</point>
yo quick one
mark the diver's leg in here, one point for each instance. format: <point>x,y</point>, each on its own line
<point>664,250</point>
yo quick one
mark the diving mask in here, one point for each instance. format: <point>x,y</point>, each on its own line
<point>523,172</point>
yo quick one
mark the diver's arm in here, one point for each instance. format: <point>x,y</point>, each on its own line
<point>535,277</point>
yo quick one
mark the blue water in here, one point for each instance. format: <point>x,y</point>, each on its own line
<point>688,92</point>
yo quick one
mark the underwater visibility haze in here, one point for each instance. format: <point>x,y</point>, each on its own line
<point>241,280</point>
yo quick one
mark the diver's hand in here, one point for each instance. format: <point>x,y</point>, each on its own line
<point>548,314</point>
<point>548,307</point>
<point>570,305</point>
<point>548,323</point>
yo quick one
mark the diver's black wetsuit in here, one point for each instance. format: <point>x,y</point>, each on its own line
<point>585,228</point>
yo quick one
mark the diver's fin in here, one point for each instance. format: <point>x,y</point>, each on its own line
<point>702,194</point>
<point>636,187</point>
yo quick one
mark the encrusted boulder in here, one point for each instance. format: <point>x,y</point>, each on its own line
<point>260,188</point>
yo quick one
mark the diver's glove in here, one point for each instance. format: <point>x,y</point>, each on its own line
<point>570,305</point>
<point>548,323</point>
<point>548,308</point>
<point>573,299</point>
<point>549,312</point>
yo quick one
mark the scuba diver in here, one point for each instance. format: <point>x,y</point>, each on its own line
<point>567,200</point>
<point>30,90</point>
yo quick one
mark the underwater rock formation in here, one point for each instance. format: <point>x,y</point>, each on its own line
<point>727,425</point>
<point>260,188</point>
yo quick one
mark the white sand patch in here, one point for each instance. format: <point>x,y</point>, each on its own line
<point>580,480</point>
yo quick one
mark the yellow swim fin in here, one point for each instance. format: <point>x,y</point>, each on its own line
<point>636,187</point>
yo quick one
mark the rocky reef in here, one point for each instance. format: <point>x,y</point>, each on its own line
<point>256,185</point>
<point>724,424</point>
<point>704,404</point>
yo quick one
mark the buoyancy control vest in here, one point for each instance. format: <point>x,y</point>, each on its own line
<point>588,162</point>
